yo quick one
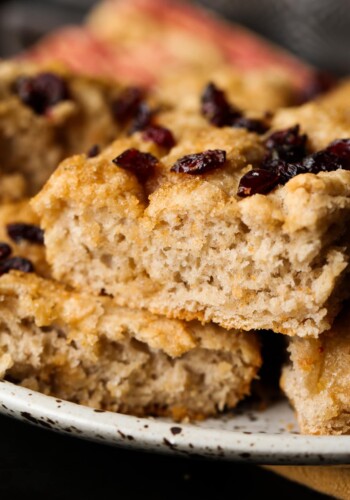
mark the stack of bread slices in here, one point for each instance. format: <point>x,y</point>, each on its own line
<point>181,221</point>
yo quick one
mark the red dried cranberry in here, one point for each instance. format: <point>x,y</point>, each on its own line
<point>219,112</point>
<point>140,164</point>
<point>321,161</point>
<point>93,151</point>
<point>279,166</point>
<point>161,136</point>
<point>5,250</point>
<point>288,145</point>
<point>326,161</point>
<point>127,103</point>
<point>320,83</point>
<point>335,156</point>
<point>28,232</point>
<point>42,91</point>
<point>257,181</point>
<point>16,263</point>
<point>216,108</point>
<point>200,163</point>
<point>285,170</point>
<point>142,119</point>
<point>341,149</point>
<point>251,124</point>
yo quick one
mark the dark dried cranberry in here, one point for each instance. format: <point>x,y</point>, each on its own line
<point>322,161</point>
<point>200,163</point>
<point>93,151</point>
<point>320,83</point>
<point>140,164</point>
<point>5,250</point>
<point>334,157</point>
<point>279,170</point>
<point>161,136</point>
<point>288,145</point>
<point>285,170</point>
<point>216,108</point>
<point>127,103</point>
<point>341,149</point>
<point>142,119</point>
<point>16,263</point>
<point>42,91</point>
<point>251,124</point>
<point>28,232</point>
<point>257,181</point>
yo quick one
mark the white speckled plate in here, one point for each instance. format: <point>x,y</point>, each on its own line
<point>268,436</point>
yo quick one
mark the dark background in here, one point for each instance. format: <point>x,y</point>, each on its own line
<point>39,464</point>
<point>35,463</point>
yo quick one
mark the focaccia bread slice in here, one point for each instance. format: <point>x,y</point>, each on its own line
<point>47,114</point>
<point>188,247</point>
<point>317,379</point>
<point>89,351</point>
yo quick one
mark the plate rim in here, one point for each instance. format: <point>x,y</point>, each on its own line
<point>151,434</point>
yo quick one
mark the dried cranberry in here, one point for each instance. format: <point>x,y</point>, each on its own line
<point>285,170</point>
<point>142,119</point>
<point>216,108</point>
<point>321,161</point>
<point>140,164</point>
<point>257,181</point>
<point>5,250</point>
<point>28,232</point>
<point>251,124</point>
<point>280,165</point>
<point>341,149</point>
<point>93,151</point>
<point>288,145</point>
<point>127,104</point>
<point>327,160</point>
<point>219,112</point>
<point>200,163</point>
<point>16,263</point>
<point>42,91</point>
<point>320,83</point>
<point>161,136</point>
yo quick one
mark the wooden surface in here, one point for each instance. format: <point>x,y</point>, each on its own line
<point>37,463</point>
